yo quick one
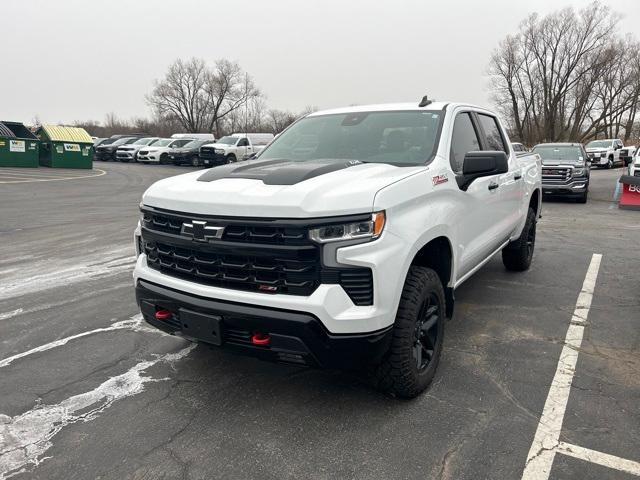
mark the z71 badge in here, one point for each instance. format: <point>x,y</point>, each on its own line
<point>438,179</point>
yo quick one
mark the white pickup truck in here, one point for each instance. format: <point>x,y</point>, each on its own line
<point>344,253</point>
<point>233,148</point>
<point>605,153</point>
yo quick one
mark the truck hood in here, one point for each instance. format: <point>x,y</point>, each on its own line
<point>277,188</point>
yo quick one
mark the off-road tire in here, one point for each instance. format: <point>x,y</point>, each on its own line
<point>398,371</point>
<point>518,254</point>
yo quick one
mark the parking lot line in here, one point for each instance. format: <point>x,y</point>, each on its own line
<point>29,179</point>
<point>603,459</point>
<point>547,436</point>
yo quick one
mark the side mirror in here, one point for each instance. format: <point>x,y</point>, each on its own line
<point>482,164</point>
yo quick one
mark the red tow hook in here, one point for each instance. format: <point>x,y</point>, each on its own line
<point>261,339</point>
<point>163,315</point>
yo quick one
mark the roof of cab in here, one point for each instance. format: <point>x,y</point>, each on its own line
<point>559,144</point>
<point>390,107</point>
<point>57,133</point>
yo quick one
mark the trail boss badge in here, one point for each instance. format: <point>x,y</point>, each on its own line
<point>438,179</point>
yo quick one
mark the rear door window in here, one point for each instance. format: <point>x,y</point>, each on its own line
<point>464,139</point>
<point>494,140</point>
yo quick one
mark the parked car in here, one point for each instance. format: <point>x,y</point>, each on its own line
<point>107,152</point>
<point>346,255</point>
<point>565,170</point>
<point>188,153</point>
<point>605,153</point>
<point>518,147</point>
<point>100,141</point>
<point>627,153</point>
<point>199,136</point>
<point>129,152</point>
<point>159,151</point>
<point>233,148</point>
<point>634,166</point>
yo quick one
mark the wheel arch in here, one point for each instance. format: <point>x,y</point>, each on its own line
<point>437,254</point>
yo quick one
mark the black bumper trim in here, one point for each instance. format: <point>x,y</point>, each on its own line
<point>296,337</point>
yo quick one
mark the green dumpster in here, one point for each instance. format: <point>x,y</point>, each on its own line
<point>65,147</point>
<point>18,146</point>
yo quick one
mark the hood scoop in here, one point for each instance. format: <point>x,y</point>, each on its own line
<point>277,172</point>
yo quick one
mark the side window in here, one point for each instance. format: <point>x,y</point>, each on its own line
<point>464,139</point>
<point>492,133</point>
<point>243,142</point>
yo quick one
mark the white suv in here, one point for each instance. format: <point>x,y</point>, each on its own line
<point>159,151</point>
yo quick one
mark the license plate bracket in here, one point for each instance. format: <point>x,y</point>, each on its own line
<point>207,328</point>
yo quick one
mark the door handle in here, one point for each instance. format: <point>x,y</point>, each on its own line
<point>493,185</point>
<point>517,176</point>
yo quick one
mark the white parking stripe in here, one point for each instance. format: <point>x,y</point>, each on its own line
<point>547,437</point>
<point>600,458</point>
<point>13,313</point>
<point>99,174</point>
<point>134,323</point>
<point>26,437</point>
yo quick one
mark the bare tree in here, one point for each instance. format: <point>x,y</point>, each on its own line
<point>566,76</point>
<point>182,94</point>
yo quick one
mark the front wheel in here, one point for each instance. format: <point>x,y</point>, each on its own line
<point>164,159</point>
<point>195,161</point>
<point>610,163</point>
<point>231,158</point>
<point>518,254</point>
<point>409,365</point>
<point>583,197</point>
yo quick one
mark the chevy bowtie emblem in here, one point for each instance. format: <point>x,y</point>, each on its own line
<point>201,232</point>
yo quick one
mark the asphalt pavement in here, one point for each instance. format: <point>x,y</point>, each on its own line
<point>88,391</point>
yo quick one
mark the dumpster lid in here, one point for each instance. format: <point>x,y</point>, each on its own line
<point>5,132</point>
<point>15,130</point>
<point>57,133</point>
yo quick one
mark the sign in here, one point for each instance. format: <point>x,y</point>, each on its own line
<point>32,146</point>
<point>71,147</point>
<point>59,149</point>
<point>630,198</point>
<point>85,151</point>
<point>17,146</point>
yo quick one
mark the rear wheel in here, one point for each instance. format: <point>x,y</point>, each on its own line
<point>518,254</point>
<point>408,367</point>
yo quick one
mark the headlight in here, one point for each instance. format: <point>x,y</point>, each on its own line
<point>578,172</point>
<point>367,229</point>
<point>219,151</point>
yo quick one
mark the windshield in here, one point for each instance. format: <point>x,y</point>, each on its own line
<point>163,142</point>
<point>569,153</point>
<point>228,140</point>
<point>196,143</point>
<point>599,144</point>
<point>143,141</point>
<point>121,141</point>
<point>399,138</point>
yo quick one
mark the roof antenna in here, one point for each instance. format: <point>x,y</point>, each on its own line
<point>425,101</point>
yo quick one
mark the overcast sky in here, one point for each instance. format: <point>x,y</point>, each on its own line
<point>67,60</point>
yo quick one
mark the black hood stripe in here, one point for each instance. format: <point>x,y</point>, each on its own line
<point>277,172</point>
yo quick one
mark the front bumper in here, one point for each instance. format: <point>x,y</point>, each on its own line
<point>296,336</point>
<point>105,155</point>
<point>577,187</point>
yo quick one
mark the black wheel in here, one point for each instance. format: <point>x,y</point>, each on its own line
<point>163,159</point>
<point>231,158</point>
<point>195,161</point>
<point>409,365</point>
<point>610,163</point>
<point>518,254</point>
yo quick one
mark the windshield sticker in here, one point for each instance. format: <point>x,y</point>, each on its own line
<point>439,179</point>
